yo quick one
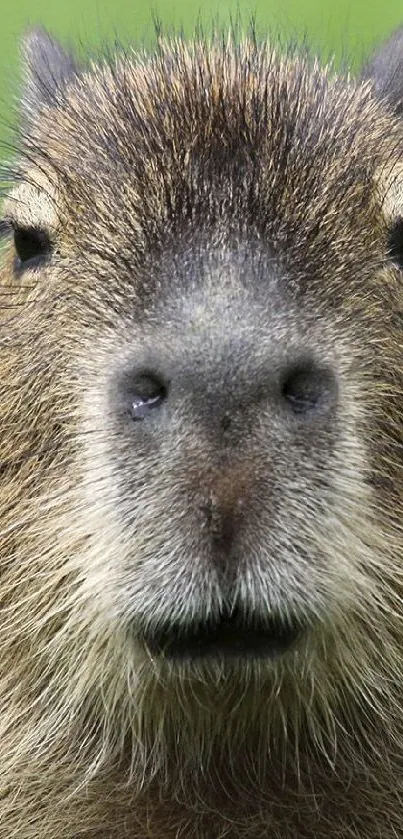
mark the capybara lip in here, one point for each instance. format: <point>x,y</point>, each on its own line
<point>227,637</point>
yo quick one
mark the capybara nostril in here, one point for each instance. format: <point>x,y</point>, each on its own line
<point>143,393</point>
<point>308,388</point>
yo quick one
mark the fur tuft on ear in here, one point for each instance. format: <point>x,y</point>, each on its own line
<point>47,68</point>
<point>385,70</point>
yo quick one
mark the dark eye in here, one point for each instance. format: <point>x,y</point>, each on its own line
<point>31,246</point>
<point>146,393</point>
<point>395,242</point>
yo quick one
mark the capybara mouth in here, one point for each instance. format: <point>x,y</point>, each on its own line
<point>228,637</point>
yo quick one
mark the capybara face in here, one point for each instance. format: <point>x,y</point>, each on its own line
<point>202,386</point>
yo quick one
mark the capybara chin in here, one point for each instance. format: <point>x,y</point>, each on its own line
<point>201,414</point>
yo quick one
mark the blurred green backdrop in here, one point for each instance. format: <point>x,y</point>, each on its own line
<point>343,27</point>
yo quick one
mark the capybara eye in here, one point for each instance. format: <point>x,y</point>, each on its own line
<point>395,243</point>
<point>31,246</point>
<point>307,387</point>
<point>146,393</point>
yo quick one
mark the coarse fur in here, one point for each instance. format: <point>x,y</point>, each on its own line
<point>217,212</point>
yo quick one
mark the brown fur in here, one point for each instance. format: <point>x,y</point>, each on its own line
<point>171,185</point>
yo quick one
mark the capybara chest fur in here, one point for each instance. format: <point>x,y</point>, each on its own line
<point>201,446</point>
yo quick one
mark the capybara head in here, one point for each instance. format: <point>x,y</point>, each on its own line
<point>201,411</point>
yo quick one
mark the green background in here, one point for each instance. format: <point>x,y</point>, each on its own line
<point>347,28</point>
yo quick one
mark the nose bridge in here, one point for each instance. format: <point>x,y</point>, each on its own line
<point>225,330</point>
<point>223,358</point>
<point>220,316</point>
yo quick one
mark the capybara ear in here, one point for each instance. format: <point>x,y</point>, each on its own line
<point>385,70</point>
<point>47,67</point>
